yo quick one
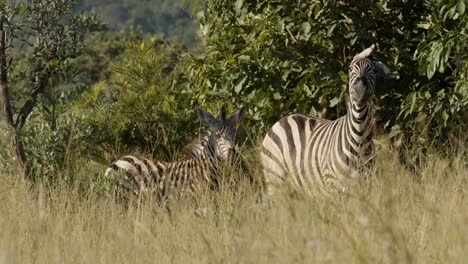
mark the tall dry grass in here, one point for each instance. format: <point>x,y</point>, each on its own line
<point>395,217</point>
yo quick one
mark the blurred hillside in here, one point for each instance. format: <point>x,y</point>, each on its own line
<point>167,17</point>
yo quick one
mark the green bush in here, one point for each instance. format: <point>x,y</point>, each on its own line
<point>101,51</point>
<point>141,108</point>
<point>39,44</point>
<point>153,16</point>
<point>55,148</point>
<point>280,57</point>
<point>437,103</point>
<point>58,151</point>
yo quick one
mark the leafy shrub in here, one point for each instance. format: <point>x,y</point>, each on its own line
<point>101,51</point>
<point>153,16</point>
<point>58,151</point>
<point>279,57</point>
<point>40,40</point>
<point>141,108</point>
<point>437,104</point>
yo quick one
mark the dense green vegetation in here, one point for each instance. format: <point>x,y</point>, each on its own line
<point>141,107</point>
<point>165,17</point>
<point>280,57</point>
<point>132,91</point>
<point>39,41</point>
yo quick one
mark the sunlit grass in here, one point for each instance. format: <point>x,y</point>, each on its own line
<point>395,217</point>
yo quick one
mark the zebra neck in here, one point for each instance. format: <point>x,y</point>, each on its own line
<point>198,147</point>
<point>208,157</point>
<point>205,162</point>
<point>359,125</point>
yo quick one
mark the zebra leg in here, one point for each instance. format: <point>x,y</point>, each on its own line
<point>273,173</point>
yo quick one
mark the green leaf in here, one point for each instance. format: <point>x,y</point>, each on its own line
<point>424,25</point>
<point>461,7</point>
<point>331,28</point>
<point>334,101</point>
<point>305,27</point>
<point>194,6</point>
<point>413,101</point>
<point>239,85</point>
<point>445,117</point>
<point>238,5</point>
<point>244,58</point>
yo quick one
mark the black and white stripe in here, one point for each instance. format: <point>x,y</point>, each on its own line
<point>313,153</point>
<point>208,157</point>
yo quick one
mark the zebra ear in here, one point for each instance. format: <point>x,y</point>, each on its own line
<point>237,117</point>
<point>367,52</point>
<point>222,113</point>
<point>383,70</point>
<point>206,118</point>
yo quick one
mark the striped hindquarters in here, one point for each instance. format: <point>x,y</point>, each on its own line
<point>138,174</point>
<point>143,175</point>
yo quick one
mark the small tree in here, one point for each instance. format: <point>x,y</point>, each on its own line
<point>142,107</point>
<point>51,36</point>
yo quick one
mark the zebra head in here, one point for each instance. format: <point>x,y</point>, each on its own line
<point>363,73</point>
<point>222,130</point>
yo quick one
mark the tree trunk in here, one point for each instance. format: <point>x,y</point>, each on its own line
<point>5,107</point>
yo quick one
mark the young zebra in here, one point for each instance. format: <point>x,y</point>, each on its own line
<point>315,154</point>
<point>213,151</point>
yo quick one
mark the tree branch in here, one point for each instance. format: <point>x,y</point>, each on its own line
<point>4,95</point>
<point>9,64</point>
<point>6,105</point>
<point>27,108</point>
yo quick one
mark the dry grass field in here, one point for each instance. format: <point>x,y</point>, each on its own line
<point>395,217</point>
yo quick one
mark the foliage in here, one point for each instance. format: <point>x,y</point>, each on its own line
<point>41,41</point>
<point>279,57</point>
<point>437,104</point>
<point>166,17</point>
<point>58,151</point>
<point>102,50</point>
<point>141,107</point>
<point>47,42</point>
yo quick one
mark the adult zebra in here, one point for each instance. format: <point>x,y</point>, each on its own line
<point>315,154</point>
<point>215,149</point>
